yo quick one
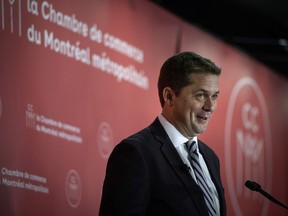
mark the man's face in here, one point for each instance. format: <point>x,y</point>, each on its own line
<point>192,108</point>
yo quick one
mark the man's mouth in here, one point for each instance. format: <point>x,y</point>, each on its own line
<point>202,118</point>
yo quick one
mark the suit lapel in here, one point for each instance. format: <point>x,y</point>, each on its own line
<point>211,166</point>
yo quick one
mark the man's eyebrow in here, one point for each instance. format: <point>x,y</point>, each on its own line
<point>203,90</point>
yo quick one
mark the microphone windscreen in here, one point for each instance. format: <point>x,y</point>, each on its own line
<point>252,185</point>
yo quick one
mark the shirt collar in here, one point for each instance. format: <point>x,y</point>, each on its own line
<point>175,136</point>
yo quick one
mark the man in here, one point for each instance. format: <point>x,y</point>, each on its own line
<point>151,172</point>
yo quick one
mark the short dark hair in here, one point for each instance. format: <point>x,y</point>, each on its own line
<point>176,70</point>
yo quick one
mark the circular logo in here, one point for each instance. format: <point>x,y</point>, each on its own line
<point>73,188</point>
<point>248,152</point>
<point>105,139</point>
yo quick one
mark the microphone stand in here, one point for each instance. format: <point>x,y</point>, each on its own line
<point>256,187</point>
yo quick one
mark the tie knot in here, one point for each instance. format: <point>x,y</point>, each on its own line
<point>191,146</point>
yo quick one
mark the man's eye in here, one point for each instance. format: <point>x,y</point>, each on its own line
<point>200,96</point>
<point>214,97</point>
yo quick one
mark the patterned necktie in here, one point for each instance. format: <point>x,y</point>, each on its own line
<point>194,160</point>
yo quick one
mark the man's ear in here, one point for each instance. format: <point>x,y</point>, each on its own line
<point>168,95</point>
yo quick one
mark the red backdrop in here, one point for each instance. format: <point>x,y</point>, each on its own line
<point>78,76</point>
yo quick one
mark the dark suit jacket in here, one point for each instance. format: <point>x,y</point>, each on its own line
<point>146,176</point>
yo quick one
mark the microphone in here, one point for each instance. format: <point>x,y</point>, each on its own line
<point>252,185</point>
<point>186,168</point>
<point>256,187</point>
